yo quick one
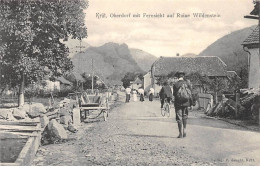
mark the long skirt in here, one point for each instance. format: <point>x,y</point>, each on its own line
<point>141,97</point>
<point>127,98</point>
<point>151,97</point>
<point>135,97</point>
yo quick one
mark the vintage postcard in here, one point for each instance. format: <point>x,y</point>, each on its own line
<point>129,83</point>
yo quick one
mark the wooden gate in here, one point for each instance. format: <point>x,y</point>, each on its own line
<point>205,100</point>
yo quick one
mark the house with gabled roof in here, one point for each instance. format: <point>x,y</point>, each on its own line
<point>251,46</point>
<point>136,84</point>
<point>211,66</point>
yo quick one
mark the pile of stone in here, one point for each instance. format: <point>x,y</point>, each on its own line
<point>53,123</point>
<point>28,111</point>
<point>60,121</point>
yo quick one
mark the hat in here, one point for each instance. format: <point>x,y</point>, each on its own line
<point>179,73</point>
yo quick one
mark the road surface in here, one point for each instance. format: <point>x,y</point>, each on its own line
<point>137,134</point>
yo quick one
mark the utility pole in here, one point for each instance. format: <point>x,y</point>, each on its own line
<point>92,77</point>
<point>80,46</point>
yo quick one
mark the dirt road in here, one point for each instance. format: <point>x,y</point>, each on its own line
<point>137,134</point>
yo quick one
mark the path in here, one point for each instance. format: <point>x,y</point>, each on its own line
<point>137,134</point>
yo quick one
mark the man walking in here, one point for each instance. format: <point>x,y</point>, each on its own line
<point>127,92</point>
<point>183,100</point>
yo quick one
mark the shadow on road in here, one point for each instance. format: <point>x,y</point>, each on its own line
<point>203,122</point>
<point>141,135</point>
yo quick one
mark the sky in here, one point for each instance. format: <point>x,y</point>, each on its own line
<point>165,36</point>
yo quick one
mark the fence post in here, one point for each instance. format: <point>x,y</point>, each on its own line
<point>237,102</point>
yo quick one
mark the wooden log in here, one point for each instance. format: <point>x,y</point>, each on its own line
<point>19,128</point>
<point>19,123</point>
<point>9,134</point>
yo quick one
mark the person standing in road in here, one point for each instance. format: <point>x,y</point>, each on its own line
<point>182,100</point>
<point>151,94</point>
<point>134,95</point>
<point>127,92</point>
<point>141,92</point>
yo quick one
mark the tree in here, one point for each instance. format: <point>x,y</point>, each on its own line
<point>130,76</point>
<point>87,84</point>
<point>30,34</point>
<point>202,81</point>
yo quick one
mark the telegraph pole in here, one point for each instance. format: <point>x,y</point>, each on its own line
<point>80,46</point>
<point>92,77</point>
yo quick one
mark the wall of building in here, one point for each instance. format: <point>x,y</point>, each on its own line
<point>147,81</point>
<point>136,86</point>
<point>254,70</point>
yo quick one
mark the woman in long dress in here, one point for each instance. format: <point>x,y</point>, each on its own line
<point>134,95</point>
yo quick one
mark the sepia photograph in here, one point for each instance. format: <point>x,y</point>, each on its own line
<point>129,83</point>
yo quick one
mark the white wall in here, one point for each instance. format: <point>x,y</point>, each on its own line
<point>51,86</point>
<point>254,70</point>
<point>147,81</point>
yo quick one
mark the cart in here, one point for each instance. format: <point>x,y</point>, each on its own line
<point>88,103</point>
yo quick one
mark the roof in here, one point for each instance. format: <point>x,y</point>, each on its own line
<point>64,81</point>
<point>232,74</point>
<point>206,65</point>
<point>255,10</point>
<point>74,76</point>
<point>253,38</point>
<point>138,80</point>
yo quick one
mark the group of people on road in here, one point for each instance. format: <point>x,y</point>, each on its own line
<point>135,92</point>
<point>181,95</point>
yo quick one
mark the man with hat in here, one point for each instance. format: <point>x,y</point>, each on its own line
<point>182,100</point>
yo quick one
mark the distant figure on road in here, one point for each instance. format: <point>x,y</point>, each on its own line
<point>165,92</point>
<point>141,92</point>
<point>134,95</point>
<point>151,94</point>
<point>183,99</point>
<point>127,92</point>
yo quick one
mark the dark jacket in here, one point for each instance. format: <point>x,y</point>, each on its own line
<point>165,92</point>
<point>176,87</point>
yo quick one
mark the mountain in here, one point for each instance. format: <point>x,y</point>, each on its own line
<point>111,62</point>
<point>143,59</point>
<point>230,50</point>
<point>73,45</point>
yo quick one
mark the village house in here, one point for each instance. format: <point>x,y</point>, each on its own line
<point>136,84</point>
<point>147,81</point>
<point>251,46</point>
<point>212,66</point>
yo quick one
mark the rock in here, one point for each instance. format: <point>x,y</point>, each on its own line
<point>54,132</point>
<point>44,120</point>
<point>34,110</point>
<point>64,111</point>
<point>57,130</point>
<point>65,119</point>
<point>71,128</point>
<point>7,114</point>
<point>19,113</point>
